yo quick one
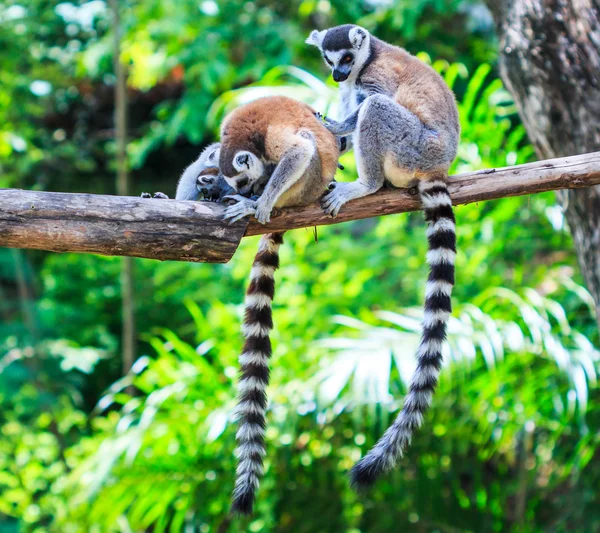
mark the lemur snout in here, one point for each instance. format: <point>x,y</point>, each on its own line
<point>339,75</point>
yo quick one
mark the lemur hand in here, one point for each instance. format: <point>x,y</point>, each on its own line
<point>242,208</point>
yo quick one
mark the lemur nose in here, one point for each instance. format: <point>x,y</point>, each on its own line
<point>338,75</point>
<point>204,191</point>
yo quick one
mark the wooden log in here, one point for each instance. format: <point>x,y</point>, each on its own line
<point>552,174</point>
<point>195,231</point>
<point>117,225</point>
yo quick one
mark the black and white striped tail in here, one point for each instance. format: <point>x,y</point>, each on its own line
<point>254,378</point>
<point>441,234</point>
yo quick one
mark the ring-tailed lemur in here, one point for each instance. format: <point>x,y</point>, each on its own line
<point>405,129</point>
<point>201,179</point>
<point>285,134</point>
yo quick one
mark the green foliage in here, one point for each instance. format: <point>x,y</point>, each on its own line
<point>511,442</point>
<point>164,458</point>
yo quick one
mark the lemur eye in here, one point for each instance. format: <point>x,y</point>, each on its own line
<point>243,160</point>
<point>347,58</point>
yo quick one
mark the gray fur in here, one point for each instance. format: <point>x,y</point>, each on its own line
<point>381,127</point>
<point>188,187</point>
<point>301,161</point>
<point>384,129</point>
<point>398,145</point>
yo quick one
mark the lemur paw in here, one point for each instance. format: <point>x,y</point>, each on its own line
<point>239,210</point>
<point>333,126</point>
<point>159,195</point>
<point>334,200</point>
<point>232,199</point>
<point>263,213</point>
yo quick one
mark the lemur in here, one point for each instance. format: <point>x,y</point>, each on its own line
<point>405,127</point>
<point>201,179</point>
<point>284,136</point>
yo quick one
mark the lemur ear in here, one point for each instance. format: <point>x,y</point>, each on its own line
<point>357,37</point>
<point>211,154</point>
<point>214,155</point>
<point>316,38</point>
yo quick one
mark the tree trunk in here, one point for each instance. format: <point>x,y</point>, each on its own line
<point>128,335</point>
<point>550,62</point>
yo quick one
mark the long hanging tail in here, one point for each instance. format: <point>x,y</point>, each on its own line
<point>254,362</point>
<point>441,234</point>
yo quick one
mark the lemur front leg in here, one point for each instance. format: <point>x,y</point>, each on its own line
<point>345,127</point>
<point>369,162</point>
<point>290,169</point>
<point>370,180</point>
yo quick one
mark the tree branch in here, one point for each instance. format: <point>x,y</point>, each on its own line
<point>195,231</point>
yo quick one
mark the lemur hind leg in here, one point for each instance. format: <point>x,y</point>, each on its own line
<point>384,129</point>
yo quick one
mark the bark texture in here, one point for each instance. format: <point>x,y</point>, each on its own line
<point>116,225</point>
<point>550,62</point>
<point>196,231</point>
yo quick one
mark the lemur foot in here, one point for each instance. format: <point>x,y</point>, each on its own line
<point>263,212</point>
<point>159,195</point>
<point>242,208</point>
<point>337,196</point>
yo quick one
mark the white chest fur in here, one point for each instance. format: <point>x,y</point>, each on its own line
<point>348,99</point>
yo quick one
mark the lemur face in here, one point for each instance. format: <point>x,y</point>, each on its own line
<point>344,48</point>
<point>250,170</point>
<point>208,183</point>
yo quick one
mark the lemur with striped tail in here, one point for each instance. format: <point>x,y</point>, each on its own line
<point>405,131</point>
<point>278,146</point>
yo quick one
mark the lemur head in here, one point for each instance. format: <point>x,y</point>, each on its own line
<point>242,170</point>
<point>344,48</point>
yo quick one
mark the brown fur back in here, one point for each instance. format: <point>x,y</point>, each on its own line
<point>413,84</point>
<point>268,127</point>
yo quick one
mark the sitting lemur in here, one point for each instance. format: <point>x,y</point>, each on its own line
<point>405,131</point>
<point>401,119</point>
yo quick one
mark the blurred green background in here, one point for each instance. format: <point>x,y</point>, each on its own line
<point>511,443</point>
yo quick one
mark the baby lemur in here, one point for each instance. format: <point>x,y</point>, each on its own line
<point>201,179</point>
<point>405,128</point>
<point>284,136</point>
